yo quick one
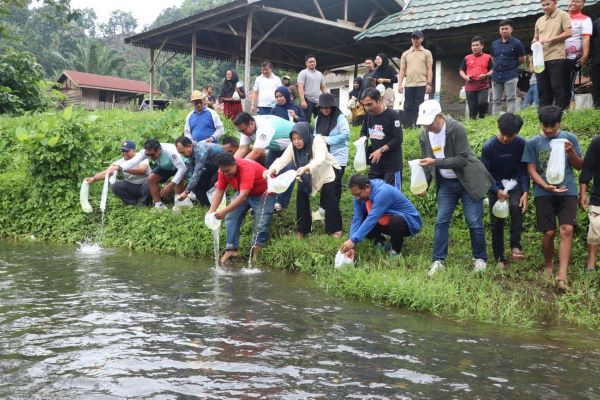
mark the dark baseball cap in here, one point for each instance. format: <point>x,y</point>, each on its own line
<point>417,33</point>
<point>127,145</point>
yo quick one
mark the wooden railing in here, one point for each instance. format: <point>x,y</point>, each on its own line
<point>104,105</point>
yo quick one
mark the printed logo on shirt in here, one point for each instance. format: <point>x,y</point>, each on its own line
<point>377,132</point>
<point>397,123</point>
<point>437,149</point>
<point>263,136</point>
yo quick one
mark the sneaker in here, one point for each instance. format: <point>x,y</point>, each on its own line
<point>316,216</point>
<point>480,265</point>
<point>160,206</point>
<point>192,196</point>
<point>322,212</point>
<point>393,254</point>
<point>437,266</point>
<point>278,207</point>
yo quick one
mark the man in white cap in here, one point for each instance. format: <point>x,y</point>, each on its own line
<point>459,175</point>
<point>287,82</point>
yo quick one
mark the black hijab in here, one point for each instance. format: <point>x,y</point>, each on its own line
<point>303,156</point>
<point>325,124</point>
<point>356,92</point>
<point>228,87</point>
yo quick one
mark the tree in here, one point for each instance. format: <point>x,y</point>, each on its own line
<point>95,58</point>
<point>119,23</point>
<point>59,7</point>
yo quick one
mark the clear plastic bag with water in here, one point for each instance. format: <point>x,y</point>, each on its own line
<point>211,221</point>
<point>281,183</point>
<point>538,57</point>
<point>418,180</point>
<point>555,172</point>
<point>500,209</point>
<point>342,260</point>
<point>182,205</point>
<point>84,194</point>
<point>104,197</point>
<point>360,158</point>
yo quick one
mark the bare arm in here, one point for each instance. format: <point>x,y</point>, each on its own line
<point>242,151</point>
<point>585,47</point>
<point>429,88</point>
<point>140,169</point>
<point>301,94</point>
<point>401,79</point>
<point>255,154</point>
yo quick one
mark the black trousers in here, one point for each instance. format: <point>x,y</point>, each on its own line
<point>312,109</point>
<point>497,224</point>
<point>596,83</point>
<point>570,72</point>
<point>206,181</point>
<point>339,175</point>
<point>413,97</point>
<point>551,85</point>
<point>478,103</point>
<point>131,193</point>
<point>397,230</point>
<point>333,217</point>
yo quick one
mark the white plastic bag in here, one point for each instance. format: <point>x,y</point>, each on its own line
<point>555,173</point>
<point>352,103</point>
<point>380,88</point>
<point>281,183</point>
<point>500,209</point>
<point>182,205</point>
<point>236,95</point>
<point>342,260</point>
<point>360,158</point>
<point>418,181</point>
<point>211,221</point>
<point>538,57</point>
<point>84,193</point>
<point>104,197</point>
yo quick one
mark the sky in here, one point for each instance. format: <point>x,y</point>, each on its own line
<point>144,11</point>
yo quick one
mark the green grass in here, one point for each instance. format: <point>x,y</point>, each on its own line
<point>519,296</point>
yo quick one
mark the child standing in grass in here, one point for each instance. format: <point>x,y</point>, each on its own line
<point>591,169</point>
<point>502,156</point>
<point>554,202</point>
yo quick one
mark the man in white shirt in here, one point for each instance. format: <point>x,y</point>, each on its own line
<point>577,47</point>
<point>263,95</point>
<point>133,189</point>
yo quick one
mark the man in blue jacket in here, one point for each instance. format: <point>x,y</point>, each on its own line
<point>380,208</point>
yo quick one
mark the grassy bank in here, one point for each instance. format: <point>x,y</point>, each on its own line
<point>42,161</point>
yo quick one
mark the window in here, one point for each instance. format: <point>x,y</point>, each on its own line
<point>102,96</point>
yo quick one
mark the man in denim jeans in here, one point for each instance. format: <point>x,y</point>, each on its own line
<point>459,175</point>
<point>508,53</point>
<point>246,178</point>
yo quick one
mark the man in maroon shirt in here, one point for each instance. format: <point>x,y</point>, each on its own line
<point>476,70</point>
<point>246,178</point>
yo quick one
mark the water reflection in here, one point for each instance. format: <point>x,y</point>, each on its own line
<point>114,324</point>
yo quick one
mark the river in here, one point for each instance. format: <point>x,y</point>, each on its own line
<point>113,324</point>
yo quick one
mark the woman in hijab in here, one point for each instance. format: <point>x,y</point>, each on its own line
<point>385,75</point>
<point>354,104</point>
<point>332,124</point>
<point>315,169</point>
<point>231,95</point>
<point>285,107</point>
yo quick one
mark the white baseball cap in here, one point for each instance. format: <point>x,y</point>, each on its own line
<point>428,110</point>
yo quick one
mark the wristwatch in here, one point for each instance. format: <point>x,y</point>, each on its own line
<point>382,150</point>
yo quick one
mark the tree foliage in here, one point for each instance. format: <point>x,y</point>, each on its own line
<point>93,57</point>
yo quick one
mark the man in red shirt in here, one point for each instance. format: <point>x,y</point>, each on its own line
<point>246,178</point>
<point>476,70</point>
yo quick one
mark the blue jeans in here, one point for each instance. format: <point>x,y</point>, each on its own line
<point>263,212</point>
<point>532,97</point>
<point>449,192</point>
<point>264,110</point>
<point>285,197</point>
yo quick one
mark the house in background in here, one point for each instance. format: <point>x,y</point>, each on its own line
<point>94,91</point>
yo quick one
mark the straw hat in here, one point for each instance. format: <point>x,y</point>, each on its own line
<point>197,95</point>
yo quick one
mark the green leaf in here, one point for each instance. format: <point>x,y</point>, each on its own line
<point>68,113</point>
<point>22,134</point>
<point>53,141</point>
<point>91,119</point>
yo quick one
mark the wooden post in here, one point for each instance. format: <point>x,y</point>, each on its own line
<point>193,61</point>
<point>151,79</point>
<point>345,10</point>
<point>247,59</point>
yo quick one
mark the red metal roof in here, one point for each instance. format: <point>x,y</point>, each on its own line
<point>94,81</point>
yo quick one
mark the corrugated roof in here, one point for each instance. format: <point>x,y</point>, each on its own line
<point>94,81</point>
<point>444,14</point>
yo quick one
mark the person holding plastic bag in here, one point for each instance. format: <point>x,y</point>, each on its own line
<point>591,170</point>
<point>502,156</point>
<point>315,169</point>
<point>380,209</point>
<point>459,175</point>
<point>383,129</point>
<point>554,201</point>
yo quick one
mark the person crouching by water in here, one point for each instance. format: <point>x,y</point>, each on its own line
<point>380,209</point>
<point>133,189</point>
<point>170,164</point>
<point>203,170</point>
<point>246,178</point>
<point>315,168</point>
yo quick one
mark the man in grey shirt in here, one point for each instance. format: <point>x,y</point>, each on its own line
<point>310,86</point>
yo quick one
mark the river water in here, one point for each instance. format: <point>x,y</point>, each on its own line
<point>110,324</point>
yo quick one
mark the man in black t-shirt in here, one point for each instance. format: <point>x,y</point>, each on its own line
<point>591,170</point>
<point>383,129</point>
<point>595,61</point>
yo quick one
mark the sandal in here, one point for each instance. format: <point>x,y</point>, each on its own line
<point>517,254</point>
<point>562,283</point>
